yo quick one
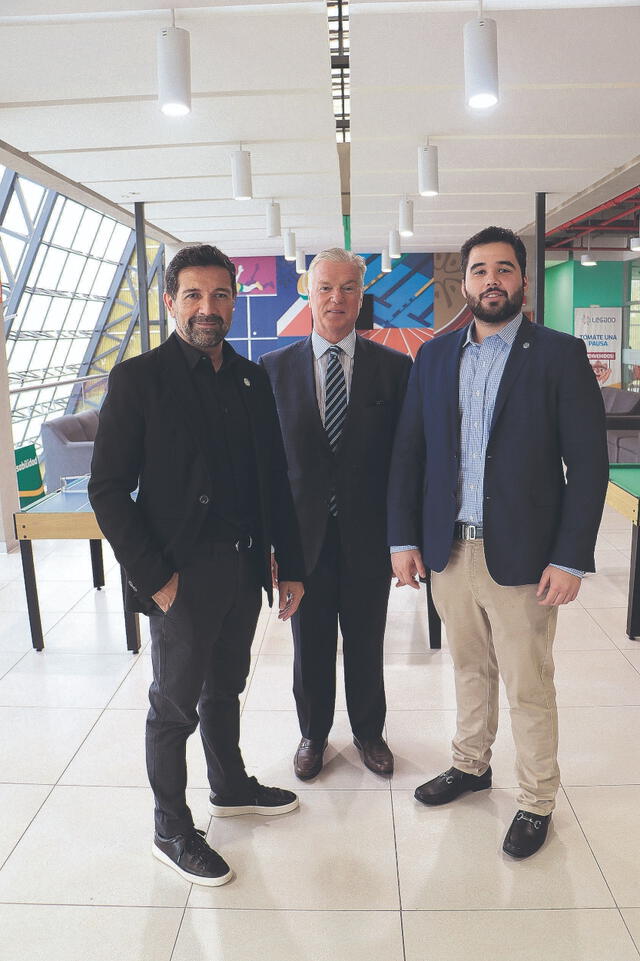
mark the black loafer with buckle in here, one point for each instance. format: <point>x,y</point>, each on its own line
<point>526,835</point>
<point>451,784</point>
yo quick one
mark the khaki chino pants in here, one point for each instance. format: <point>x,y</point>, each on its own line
<point>501,631</point>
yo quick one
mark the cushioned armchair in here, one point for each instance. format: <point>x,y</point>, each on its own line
<point>623,425</point>
<point>67,444</point>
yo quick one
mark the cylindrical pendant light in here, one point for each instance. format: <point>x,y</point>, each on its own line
<point>634,242</point>
<point>174,71</point>
<point>588,260</point>
<point>405,217</point>
<point>273,219</point>
<point>241,175</point>
<point>301,262</point>
<point>428,171</point>
<point>394,244</point>
<point>481,63</point>
<point>385,261</point>
<point>289,245</point>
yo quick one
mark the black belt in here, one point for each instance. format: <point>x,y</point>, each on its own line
<point>462,531</point>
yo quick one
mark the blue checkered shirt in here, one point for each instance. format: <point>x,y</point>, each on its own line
<point>481,369</point>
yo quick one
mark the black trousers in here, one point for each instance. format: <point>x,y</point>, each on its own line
<point>200,651</point>
<point>336,592</point>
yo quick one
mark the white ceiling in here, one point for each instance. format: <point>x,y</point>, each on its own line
<point>78,92</point>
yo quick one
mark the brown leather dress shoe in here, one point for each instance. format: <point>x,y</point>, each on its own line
<point>375,754</point>
<point>308,758</point>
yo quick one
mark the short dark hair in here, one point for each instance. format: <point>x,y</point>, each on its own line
<point>494,235</point>
<point>198,255</point>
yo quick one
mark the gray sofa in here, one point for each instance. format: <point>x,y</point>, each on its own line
<point>622,408</point>
<point>67,444</point>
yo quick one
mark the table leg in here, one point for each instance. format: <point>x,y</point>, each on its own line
<point>97,565</point>
<point>131,620</point>
<point>434,622</point>
<point>633,608</point>
<point>31,590</point>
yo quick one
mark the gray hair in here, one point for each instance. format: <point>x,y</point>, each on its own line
<point>337,255</point>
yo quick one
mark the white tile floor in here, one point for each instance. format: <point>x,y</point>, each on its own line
<point>360,872</point>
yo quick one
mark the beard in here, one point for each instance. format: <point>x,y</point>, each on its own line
<point>204,338</point>
<point>499,311</point>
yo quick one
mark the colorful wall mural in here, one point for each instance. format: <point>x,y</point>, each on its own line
<point>405,307</point>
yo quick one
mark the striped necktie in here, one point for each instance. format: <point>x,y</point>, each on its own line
<point>335,408</point>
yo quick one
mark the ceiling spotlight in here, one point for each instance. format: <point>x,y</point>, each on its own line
<point>385,261</point>
<point>634,243</point>
<point>241,175</point>
<point>289,245</point>
<point>405,215</point>
<point>301,262</point>
<point>481,62</point>
<point>428,171</point>
<point>587,260</point>
<point>273,219</point>
<point>394,244</point>
<point>174,70</point>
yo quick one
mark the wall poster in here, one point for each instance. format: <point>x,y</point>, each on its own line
<point>601,330</point>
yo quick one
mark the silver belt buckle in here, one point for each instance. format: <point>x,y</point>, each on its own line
<point>469,532</point>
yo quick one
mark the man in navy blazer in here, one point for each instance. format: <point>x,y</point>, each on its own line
<point>478,495</point>
<point>338,399</point>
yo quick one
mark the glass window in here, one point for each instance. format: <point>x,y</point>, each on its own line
<point>103,237</point>
<point>88,276</point>
<point>55,319</point>
<point>13,249</point>
<point>14,218</point>
<point>33,195</point>
<point>103,280</point>
<point>117,243</point>
<point>52,268</point>
<point>87,231</point>
<point>72,272</point>
<point>68,224</point>
<point>35,310</point>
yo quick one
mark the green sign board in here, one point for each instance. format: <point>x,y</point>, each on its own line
<point>30,486</point>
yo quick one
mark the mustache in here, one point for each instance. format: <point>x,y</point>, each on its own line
<point>206,319</point>
<point>493,290</point>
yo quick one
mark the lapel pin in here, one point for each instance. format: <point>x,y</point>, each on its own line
<point>525,345</point>
<point>247,382</point>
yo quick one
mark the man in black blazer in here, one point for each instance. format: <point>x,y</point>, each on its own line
<point>478,495</point>
<point>193,426</point>
<point>338,398</point>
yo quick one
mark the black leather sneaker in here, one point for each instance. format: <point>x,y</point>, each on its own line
<point>451,784</point>
<point>258,799</point>
<point>192,858</point>
<point>526,835</point>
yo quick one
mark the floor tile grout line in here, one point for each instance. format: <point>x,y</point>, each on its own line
<point>395,848</point>
<point>42,804</point>
<point>588,843</point>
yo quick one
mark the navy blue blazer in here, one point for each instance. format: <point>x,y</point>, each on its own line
<point>359,470</point>
<point>548,411</point>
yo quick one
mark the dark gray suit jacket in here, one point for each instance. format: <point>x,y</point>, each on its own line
<point>358,471</point>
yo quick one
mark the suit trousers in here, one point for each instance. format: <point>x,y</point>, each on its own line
<point>495,631</point>
<point>200,651</point>
<point>336,591</point>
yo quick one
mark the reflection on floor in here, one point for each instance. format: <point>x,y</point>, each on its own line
<point>360,872</point>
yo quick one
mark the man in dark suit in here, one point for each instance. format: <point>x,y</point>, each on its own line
<point>478,495</point>
<point>338,398</point>
<point>194,427</point>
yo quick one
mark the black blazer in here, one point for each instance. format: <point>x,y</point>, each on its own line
<point>152,436</point>
<point>359,470</point>
<point>548,410</point>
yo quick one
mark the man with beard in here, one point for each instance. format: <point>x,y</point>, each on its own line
<point>194,427</point>
<point>478,495</point>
